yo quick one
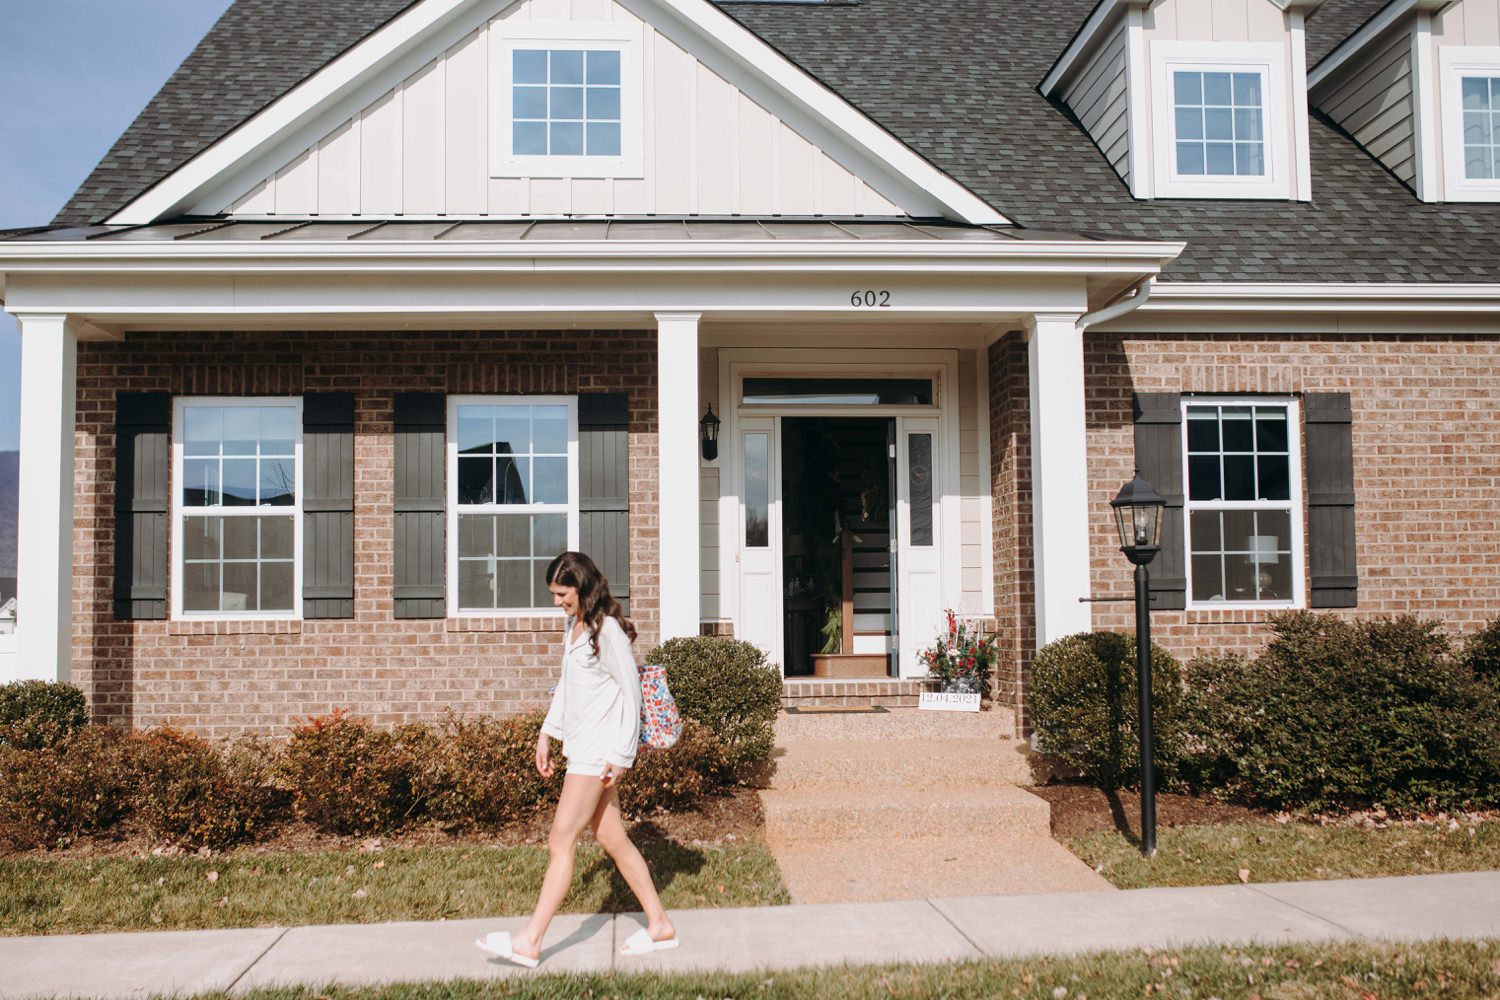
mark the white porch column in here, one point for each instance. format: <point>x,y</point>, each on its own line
<point>677,471</point>
<point>44,558</point>
<point>1059,477</point>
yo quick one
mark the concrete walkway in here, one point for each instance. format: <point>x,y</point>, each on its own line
<point>766,938</point>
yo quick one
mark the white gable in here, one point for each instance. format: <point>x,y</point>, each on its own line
<point>726,127</point>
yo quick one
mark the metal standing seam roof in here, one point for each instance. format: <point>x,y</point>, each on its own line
<point>956,80</point>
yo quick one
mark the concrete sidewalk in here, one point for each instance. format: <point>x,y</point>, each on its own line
<point>783,937</point>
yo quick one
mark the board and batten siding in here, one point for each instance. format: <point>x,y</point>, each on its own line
<point>1100,98</point>
<point>1374,105</point>
<point>422,149</point>
<point>1216,21</point>
<point>1468,22</point>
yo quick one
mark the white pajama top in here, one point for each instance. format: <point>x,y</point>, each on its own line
<point>596,706</point>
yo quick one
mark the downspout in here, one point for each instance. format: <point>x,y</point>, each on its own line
<point>1130,300</point>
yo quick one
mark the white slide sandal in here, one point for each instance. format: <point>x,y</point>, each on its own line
<point>497,943</point>
<point>641,943</point>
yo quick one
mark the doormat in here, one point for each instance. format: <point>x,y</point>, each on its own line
<point>835,710</point>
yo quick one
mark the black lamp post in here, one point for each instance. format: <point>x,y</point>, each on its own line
<point>708,434</point>
<point>1138,516</point>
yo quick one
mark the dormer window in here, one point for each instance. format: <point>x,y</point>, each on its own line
<point>566,100</point>
<point>1480,96</point>
<point>1219,118</point>
<point>1470,118</point>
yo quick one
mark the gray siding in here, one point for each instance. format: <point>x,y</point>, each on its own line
<point>1100,99</point>
<point>1374,105</point>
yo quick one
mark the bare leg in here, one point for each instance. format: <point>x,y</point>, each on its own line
<point>609,829</point>
<point>575,808</point>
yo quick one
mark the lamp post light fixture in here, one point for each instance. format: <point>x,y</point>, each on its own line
<point>1138,516</point>
<point>708,434</point>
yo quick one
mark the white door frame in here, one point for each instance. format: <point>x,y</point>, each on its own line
<point>738,363</point>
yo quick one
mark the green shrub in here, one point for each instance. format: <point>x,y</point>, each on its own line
<point>483,772</point>
<point>1085,707</point>
<point>1337,715</point>
<point>675,777</point>
<point>346,776</point>
<point>727,685</point>
<point>52,794</point>
<point>1482,653</point>
<point>192,792</point>
<point>35,714</point>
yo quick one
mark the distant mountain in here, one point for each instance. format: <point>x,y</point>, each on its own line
<point>10,476</point>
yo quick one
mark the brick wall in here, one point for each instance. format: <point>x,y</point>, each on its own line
<point>225,678</point>
<point>1426,462</point>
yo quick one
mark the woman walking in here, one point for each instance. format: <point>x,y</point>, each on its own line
<point>596,712</point>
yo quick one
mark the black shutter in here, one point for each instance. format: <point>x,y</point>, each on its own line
<point>143,426</point>
<point>328,505</point>
<point>1158,458</point>
<point>604,487</point>
<point>1330,499</point>
<point>420,418</point>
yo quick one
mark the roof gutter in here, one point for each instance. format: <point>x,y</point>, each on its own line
<point>1127,301</point>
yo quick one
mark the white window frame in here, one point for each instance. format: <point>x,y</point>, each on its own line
<point>1456,62</point>
<point>180,405</point>
<point>1295,501</point>
<point>623,37</point>
<point>571,508</point>
<point>1269,60</point>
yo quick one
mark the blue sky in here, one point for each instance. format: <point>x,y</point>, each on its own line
<point>73,75</point>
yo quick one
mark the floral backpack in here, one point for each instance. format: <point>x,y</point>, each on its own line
<point>661,723</point>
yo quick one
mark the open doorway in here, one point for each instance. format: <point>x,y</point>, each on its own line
<point>838,500</point>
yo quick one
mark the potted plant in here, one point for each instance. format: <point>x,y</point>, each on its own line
<point>960,659</point>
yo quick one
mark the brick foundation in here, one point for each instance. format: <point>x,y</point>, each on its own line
<point>226,678</point>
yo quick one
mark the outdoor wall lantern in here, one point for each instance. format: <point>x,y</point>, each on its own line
<point>708,434</point>
<point>1138,517</point>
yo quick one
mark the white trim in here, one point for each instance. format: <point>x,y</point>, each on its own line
<point>1268,59</point>
<point>1093,29</point>
<point>1301,141</point>
<point>1142,150</point>
<point>1454,63</point>
<point>452,509</point>
<point>1426,124</point>
<point>234,164</point>
<point>1322,296</point>
<point>987,504</point>
<point>180,404</point>
<point>678,512</point>
<point>1294,503</point>
<point>1373,29</point>
<point>624,37</point>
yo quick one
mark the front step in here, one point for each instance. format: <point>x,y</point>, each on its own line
<point>856,814</point>
<point>897,724</point>
<point>885,763</point>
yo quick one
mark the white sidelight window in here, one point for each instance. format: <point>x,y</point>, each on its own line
<point>1244,502</point>
<point>1222,123</point>
<point>237,506</point>
<point>566,100</point>
<point>512,499</point>
<point>1471,122</point>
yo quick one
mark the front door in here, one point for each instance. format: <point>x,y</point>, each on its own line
<point>919,577</point>
<point>760,535</point>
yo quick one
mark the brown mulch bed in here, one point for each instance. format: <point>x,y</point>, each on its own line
<point>1082,809</point>
<point>733,816</point>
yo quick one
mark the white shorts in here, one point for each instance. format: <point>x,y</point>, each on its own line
<point>588,768</point>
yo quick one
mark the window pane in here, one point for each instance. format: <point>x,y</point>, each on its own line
<point>1476,93</point>
<point>241,587</point>
<point>757,491</point>
<point>203,430</point>
<point>529,102</point>
<point>241,430</point>
<point>1203,478</point>
<point>278,430</point>
<point>240,482</point>
<point>604,139</point>
<point>1208,578</point>
<point>1271,556</point>
<point>514,536</point>
<point>549,430</point>
<point>476,536</point>
<point>510,479</point>
<point>278,482</point>
<point>200,587</point>
<point>476,585</point>
<point>277,537</point>
<point>1188,87</point>
<point>476,431</point>
<point>512,430</point>
<point>567,67</point>
<point>529,138</point>
<point>200,485</point>
<point>1239,435</point>
<point>476,480</point>
<point>550,535</point>
<point>1216,89</point>
<point>513,583</point>
<point>1239,477</point>
<point>276,587</point>
<point>241,537</point>
<point>529,66</point>
<point>549,480</point>
<point>1189,123</point>
<point>1218,123</point>
<point>604,67</point>
<point>1219,159</point>
<point>1478,163</point>
<point>1203,430</point>
<point>1249,159</point>
<point>567,102</point>
<point>1270,430</point>
<point>838,391</point>
<point>1247,90</point>
<point>200,537</point>
<point>565,139</point>
<point>1274,478</point>
<point>604,104</point>
<point>919,457</point>
<point>1190,160</point>
<point>1247,124</point>
<point>1207,532</point>
<point>1477,129</point>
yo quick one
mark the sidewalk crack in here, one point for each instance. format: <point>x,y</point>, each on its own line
<point>961,933</point>
<point>1311,913</point>
<point>256,960</point>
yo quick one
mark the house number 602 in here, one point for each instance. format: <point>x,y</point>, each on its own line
<point>870,299</point>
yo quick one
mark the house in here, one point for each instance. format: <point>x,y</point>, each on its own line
<point>380,304</point>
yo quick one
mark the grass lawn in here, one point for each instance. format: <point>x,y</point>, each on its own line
<point>1460,970</point>
<point>1267,852</point>
<point>248,889</point>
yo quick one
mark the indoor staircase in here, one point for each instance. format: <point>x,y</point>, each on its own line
<point>903,804</point>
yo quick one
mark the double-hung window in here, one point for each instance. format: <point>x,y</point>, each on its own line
<point>566,100</point>
<point>512,499</point>
<point>237,508</point>
<point>1244,517</point>
<point>1471,122</point>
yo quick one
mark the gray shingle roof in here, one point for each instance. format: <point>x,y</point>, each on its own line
<point>954,79</point>
<point>1335,21</point>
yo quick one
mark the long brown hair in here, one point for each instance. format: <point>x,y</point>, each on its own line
<point>595,602</point>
